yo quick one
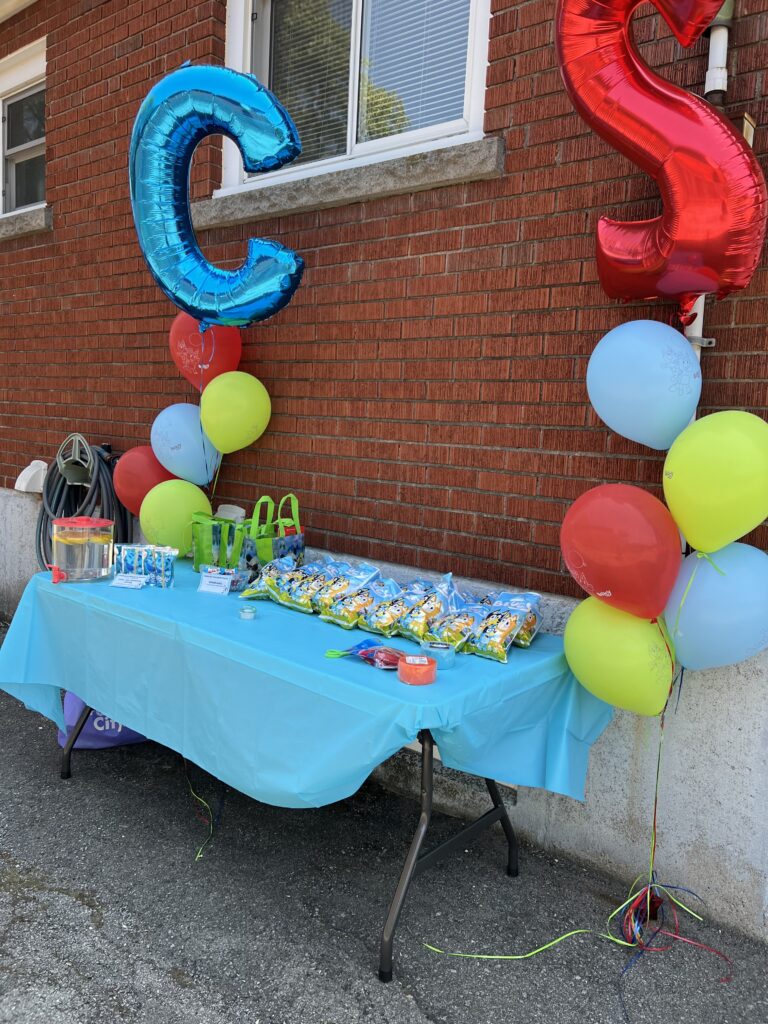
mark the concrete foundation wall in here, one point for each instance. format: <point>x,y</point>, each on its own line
<point>18,516</point>
<point>713,826</point>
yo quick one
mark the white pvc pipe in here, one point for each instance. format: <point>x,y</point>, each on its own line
<point>695,329</point>
<point>717,72</point>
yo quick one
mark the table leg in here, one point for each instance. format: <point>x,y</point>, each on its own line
<point>506,824</point>
<point>416,861</point>
<point>66,754</point>
<point>388,934</point>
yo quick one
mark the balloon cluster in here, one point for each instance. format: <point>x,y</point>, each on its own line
<point>162,483</point>
<point>649,606</point>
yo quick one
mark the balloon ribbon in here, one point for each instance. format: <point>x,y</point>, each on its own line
<point>628,923</point>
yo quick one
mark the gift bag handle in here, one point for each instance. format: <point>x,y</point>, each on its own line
<point>263,503</point>
<point>294,519</point>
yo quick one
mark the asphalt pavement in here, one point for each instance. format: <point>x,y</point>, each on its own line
<point>106,915</point>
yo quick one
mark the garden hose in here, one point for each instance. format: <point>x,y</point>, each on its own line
<point>79,483</point>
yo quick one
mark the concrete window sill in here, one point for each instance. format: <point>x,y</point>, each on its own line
<point>25,222</point>
<point>451,165</point>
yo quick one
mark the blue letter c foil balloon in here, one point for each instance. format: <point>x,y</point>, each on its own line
<point>179,112</point>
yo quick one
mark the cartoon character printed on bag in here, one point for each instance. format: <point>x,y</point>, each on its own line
<point>328,594</point>
<point>417,622</point>
<point>386,614</point>
<point>455,629</point>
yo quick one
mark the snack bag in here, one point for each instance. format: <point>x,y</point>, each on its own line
<point>496,633</point>
<point>347,610</point>
<point>383,616</point>
<point>457,627</point>
<point>274,570</point>
<point>132,559</point>
<point>438,602</point>
<point>295,589</point>
<point>349,579</point>
<point>163,561</point>
<point>529,606</point>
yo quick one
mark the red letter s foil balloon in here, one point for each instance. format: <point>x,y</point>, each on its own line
<point>710,235</point>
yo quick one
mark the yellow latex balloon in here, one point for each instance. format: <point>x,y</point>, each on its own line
<point>234,410</point>
<point>716,478</point>
<point>619,658</point>
<point>167,510</point>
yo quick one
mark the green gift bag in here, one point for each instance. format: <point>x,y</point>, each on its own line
<point>272,535</point>
<point>217,541</point>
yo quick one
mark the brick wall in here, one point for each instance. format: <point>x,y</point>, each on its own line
<point>428,378</point>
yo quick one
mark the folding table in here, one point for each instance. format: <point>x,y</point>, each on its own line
<point>258,705</point>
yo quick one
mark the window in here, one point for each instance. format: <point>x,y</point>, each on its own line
<point>364,79</point>
<point>22,140</point>
<point>24,150</point>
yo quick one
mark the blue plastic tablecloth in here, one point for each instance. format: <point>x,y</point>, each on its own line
<point>259,706</point>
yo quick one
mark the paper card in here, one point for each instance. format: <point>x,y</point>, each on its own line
<point>212,583</point>
<point>129,581</point>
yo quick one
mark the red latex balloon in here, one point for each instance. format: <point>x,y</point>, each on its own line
<point>201,357</point>
<point>710,235</point>
<point>622,545</point>
<point>136,473</point>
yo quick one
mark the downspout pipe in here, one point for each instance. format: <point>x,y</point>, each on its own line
<point>715,89</point>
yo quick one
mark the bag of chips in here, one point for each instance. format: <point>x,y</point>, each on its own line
<point>529,606</point>
<point>347,611</point>
<point>296,590</point>
<point>457,627</point>
<point>495,634</point>
<point>346,581</point>
<point>442,599</point>
<point>383,616</point>
<point>280,567</point>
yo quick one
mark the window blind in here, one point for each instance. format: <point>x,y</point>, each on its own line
<point>414,62</point>
<point>309,71</point>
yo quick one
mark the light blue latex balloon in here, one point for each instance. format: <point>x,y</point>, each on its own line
<point>179,444</point>
<point>178,113</point>
<point>722,619</point>
<point>644,382</point>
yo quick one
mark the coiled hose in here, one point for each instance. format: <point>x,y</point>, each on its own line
<point>62,499</point>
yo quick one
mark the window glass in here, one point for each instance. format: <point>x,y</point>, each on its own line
<point>29,181</point>
<point>414,63</point>
<point>309,71</point>
<point>25,120</point>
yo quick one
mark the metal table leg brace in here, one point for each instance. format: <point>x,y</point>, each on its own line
<point>416,861</point>
<point>66,754</point>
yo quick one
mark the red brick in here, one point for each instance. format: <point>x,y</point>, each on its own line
<point>429,402</point>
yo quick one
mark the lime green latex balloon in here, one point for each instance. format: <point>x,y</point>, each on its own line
<point>623,660</point>
<point>234,410</point>
<point>716,478</point>
<point>167,510</point>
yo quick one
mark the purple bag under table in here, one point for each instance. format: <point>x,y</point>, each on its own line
<point>99,732</point>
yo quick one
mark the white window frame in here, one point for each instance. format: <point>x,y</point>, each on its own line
<point>468,128</point>
<point>22,72</point>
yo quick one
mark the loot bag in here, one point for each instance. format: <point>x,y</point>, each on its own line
<point>258,589</point>
<point>442,599</point>
<point>351,578</point>
<point>496,633</point>
<point>216,541</point>
<point>383,616</point>
<point>99,732</point>
<point>457,627</point>
<point>275,534</point>
<point>528,605</point>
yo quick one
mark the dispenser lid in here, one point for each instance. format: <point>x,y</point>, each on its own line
<point>83,523</point>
